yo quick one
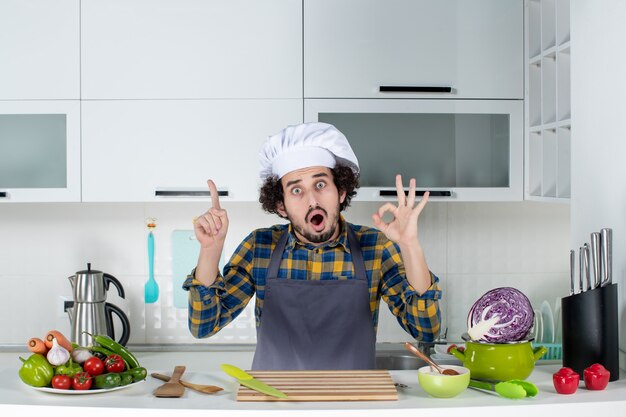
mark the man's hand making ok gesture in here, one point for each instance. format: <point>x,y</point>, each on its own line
<point>403,228</point>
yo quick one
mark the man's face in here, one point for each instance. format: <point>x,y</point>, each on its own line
<point>311,203</point>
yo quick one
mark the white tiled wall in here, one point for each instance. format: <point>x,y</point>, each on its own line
<point>472,247</point>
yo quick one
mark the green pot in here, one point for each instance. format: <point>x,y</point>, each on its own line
<point>499,361</point>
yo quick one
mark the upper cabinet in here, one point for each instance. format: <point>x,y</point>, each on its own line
<point>39,49</point>
<point>190,49</point>
<point>548,103</point>
<point>368,48</point>
<point>39,150</point>
<point>158,150</point>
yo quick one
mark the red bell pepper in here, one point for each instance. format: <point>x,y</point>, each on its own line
<point>565,381</point>
<point>596,377</point>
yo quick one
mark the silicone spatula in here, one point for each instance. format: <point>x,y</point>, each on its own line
<point>151,289</point>
<point>248,380</point>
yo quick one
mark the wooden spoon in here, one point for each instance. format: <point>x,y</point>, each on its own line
<point>417,352</point>
<point>172,389</point>
<point>206,389</point>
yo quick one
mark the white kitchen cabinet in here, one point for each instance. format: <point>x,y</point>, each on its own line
<point>459,150</point>
<point>353,47</point>
<point>39,151</point>
<point>133,149</point>
<point>188,49</point>
<point>548,101</point>
<point>39,49</point>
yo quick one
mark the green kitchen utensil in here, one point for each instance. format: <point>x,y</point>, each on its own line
<point>151,289</point>
<point>248,380</point>
<point>513,389</point>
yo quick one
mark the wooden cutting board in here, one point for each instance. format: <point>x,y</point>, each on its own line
<point>374,385</point>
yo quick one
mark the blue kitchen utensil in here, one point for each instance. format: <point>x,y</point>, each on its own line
<point>151,289</point>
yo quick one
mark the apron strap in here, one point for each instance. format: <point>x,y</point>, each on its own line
<point>357,255</point>
<point>355,249</point>
<point>277,255</point>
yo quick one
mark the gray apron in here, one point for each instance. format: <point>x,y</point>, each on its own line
<point>316,324</point>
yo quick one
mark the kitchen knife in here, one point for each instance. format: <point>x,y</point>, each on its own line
<point>595,260</point>
<point>587,266</point>
<point>248,380</point>
<point>581,268</point>
<point>572,273</point>
<point>606,250</point>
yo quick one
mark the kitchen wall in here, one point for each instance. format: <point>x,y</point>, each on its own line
<point>598,145</point>
<point>472,247</point>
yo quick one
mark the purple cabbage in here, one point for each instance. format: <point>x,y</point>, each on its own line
<point>509,309</point>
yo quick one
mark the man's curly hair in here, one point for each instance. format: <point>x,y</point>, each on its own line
<point>271,192</point>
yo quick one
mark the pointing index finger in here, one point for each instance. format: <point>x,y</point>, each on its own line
<point>215,198</point>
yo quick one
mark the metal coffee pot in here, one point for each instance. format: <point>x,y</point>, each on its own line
<point>89,312</point>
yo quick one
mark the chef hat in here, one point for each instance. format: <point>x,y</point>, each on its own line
<point>306,145</point>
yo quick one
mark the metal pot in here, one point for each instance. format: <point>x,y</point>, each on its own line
<point>499,361</point>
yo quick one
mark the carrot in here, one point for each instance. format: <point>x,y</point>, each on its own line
<point>61,340</point>
<point>36,345</point>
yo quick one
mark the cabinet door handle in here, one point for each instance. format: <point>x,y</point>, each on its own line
<point>413,89</point>
<point>3,194</point>
<point>188,193</point>
<point>393,193</point>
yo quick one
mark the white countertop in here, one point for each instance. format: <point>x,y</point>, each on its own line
<point>16,398</point>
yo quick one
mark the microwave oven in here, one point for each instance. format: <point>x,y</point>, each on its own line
<point>459,150</point>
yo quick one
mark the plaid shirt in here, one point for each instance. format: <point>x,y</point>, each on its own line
<point>211,308</point>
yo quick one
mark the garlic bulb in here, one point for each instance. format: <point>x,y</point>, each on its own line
<point>57,355</point>
<point>80,355</point>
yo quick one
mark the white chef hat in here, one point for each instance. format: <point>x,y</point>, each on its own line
<point>306,145</point>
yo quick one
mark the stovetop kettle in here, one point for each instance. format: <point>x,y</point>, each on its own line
<point>89,312</point>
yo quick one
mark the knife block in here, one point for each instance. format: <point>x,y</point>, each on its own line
<point>590,330</point>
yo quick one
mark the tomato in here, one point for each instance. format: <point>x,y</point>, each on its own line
<point>94,366</point>
<point>82,381</point>
<point>61,382</point>
<point>114,363</point>
<point>565,381</point>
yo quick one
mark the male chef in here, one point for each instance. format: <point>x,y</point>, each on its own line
<point>318,279</point>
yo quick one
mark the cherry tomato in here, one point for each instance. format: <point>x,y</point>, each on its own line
<point>114,363</point>
<point>82,381</point>
<point>596,377</point>
<point>565,381</point>
<point>94,366</point>
<point>61,382</point>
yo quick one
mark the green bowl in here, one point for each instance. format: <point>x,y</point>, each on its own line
<point>443,386</point>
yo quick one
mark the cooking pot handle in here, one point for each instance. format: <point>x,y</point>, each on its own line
<point>539,351</point>
<point>459,355</point>
<point>109,310</point>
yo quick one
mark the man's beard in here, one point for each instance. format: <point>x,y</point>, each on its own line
<point>321,237</point>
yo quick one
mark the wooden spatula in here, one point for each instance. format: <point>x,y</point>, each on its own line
<point>172,389</point>
<point>207,389</point>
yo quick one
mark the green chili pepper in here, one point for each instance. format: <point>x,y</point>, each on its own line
<point>36,371</point>
<point>139,374</point>
<point>108,343</point>
<point>100,349</point>
<point>109,380</point>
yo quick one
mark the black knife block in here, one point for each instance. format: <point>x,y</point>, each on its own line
<point>590,330</point>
